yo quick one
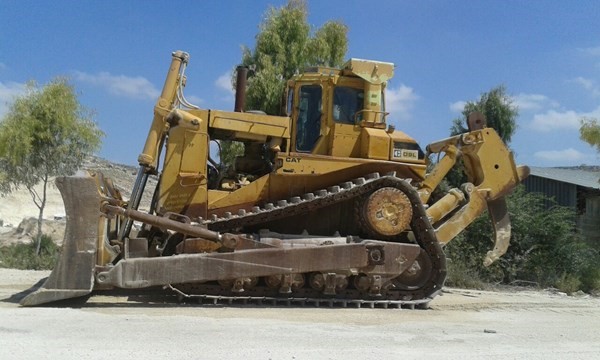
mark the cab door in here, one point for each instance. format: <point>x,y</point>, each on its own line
<point>307,122</point>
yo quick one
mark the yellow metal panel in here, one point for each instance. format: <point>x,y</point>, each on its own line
<point>346,140</point>
<point>242,198</point>
<point>300,173</point>
<point>215,195</point>
<point>299,163</point>
<point>164,104</point>
<point>375,144</point>
<point>411,156</point>
<point>195,146</point>
<point>489,162</point>
<point>183,186</point>
<point>375,72</point>
<point>397,135</point>
<point>246,125</point>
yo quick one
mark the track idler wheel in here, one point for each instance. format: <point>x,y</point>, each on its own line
<point>387,211</point>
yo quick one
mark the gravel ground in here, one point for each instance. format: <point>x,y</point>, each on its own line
<point>461,324</point>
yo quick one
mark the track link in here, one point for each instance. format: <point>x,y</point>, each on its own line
<point>241,300</point>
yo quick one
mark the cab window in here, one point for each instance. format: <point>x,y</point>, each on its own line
<point>290,101</point>
<point>346,102</point>
<point>309,117</point>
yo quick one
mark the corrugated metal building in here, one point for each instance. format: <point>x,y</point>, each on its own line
<point>577,188</point>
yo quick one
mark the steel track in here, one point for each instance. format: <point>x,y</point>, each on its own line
<point>396,297</point>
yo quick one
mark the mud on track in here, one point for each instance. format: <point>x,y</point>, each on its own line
<point>460,324</point>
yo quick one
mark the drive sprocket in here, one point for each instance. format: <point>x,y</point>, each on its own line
<point>386,211</point>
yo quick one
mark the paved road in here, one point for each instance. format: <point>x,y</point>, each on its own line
<point>461,324</point>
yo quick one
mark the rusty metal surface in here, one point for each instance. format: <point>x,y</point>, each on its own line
<point>501,223</point>
<point>135,247</point>
<point>240,88</point>
<point>303,240</point>
<point>146,272</point>
<point>197,245</point>
<point>476,121</point>
<point>353,299</point>
<point>387,211</point>
<point>73,274</point>
<point>163,222</point>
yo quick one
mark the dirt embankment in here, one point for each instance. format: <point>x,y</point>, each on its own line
<point>17,208</point>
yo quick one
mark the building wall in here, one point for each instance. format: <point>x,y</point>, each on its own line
<point>564,194</point>
<point>589,222</point>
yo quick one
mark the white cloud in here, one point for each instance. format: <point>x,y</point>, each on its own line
<point>223,82</point>
<point>556,120</point>
<point>533,101</point>
<point>8,92</point>
<point>458,106</point>
<point>565,156</point>
<point>134,87</point>
<point>593,51</point>
<point>589,84</point>
<point>399,101</point>
<point>523,101</point>
<point>195,100</point>
<point>586,83</point>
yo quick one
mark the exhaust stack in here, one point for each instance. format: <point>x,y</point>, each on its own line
<point>240,88</point>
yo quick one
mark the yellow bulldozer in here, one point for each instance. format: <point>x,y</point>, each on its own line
<point>328,203</point>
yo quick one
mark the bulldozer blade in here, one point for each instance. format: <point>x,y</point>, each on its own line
<point>501,223</point>
<point>73,275</point>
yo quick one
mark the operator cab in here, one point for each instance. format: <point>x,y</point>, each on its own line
<point>341,113</point>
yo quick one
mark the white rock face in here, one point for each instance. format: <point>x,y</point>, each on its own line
<point>18,205</point>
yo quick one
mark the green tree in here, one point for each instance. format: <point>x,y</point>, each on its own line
<point>229,150</point>
<point>46,133</point>
<point>329,45</point>
<point>501,115</point>
<point>590,132</point>
<point>284,46</point>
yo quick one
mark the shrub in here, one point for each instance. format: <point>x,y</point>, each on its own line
<point>568,283</point>
<point>544,249</point>
<point>462,276</point>
<point>22,256</point>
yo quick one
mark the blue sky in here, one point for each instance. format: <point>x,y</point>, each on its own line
<point>547,54</point>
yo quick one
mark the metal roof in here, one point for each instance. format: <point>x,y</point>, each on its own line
<point>586,177</point>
